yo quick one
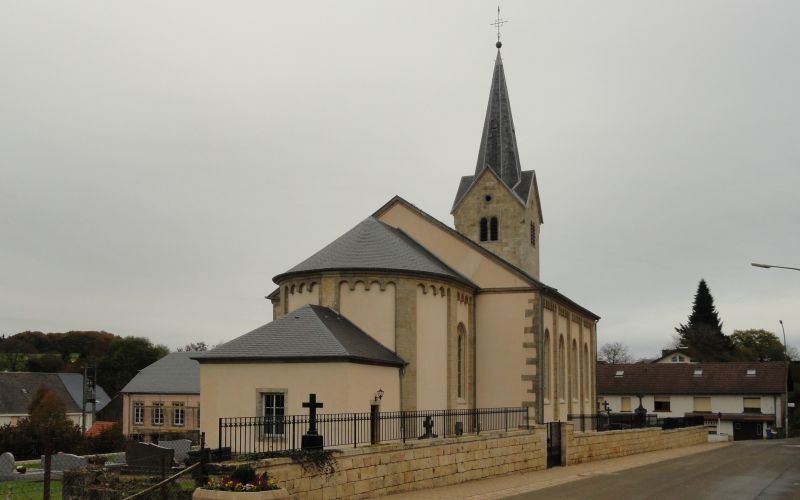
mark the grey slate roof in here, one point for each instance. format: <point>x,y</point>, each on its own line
<point>175,373</point>
<point>17,390</point>
<point>310,333</point>
<point>373,245</point>
<point>498,149</point>
<point>73,382</point>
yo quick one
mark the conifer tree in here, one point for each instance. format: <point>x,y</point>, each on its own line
<point>702,334</point>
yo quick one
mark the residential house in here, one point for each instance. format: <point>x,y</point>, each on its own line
<point>163,398</point>
<point>17,390</point>
<point>673,356</point>
<point>741,400</point>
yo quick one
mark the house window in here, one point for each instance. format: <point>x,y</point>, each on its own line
<point>493,229</point>
<point>178,414</point>
<point>533,234</point>
<point>661,404</point>
<point>625,403</point>
<point>462,332</point>
<point>138,413</point>
<point>752,405</point>
<point>702,404</point>
<point>484,229</point>
<point>274,410</point>
<point>674,359</point>
<point>157,418</point>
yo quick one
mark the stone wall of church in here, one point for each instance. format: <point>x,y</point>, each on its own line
<point>489,197</point>
<point>568,362</point>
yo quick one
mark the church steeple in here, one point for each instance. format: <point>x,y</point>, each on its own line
<point>498,207</point>
<point>498,147</point>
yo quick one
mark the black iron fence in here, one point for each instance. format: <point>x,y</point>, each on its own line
<point>253,435</point>
<point>620,421</point>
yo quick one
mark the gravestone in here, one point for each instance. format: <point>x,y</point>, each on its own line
<point>66,461</point>
<point>147,456</point>
<point>181,447</point>
<point>428,424</point>
<point>7,465</point>
<point>312,440</point>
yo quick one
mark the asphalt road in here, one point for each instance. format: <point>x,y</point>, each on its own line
<point>744,470</point>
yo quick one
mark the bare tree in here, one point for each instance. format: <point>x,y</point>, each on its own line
<point>615,352</point>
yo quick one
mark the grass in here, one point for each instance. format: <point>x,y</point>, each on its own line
<point>28,490</point>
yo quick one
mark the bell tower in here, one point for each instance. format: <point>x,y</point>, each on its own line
<point>498,207</point>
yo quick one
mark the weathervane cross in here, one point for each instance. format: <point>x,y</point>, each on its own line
<point>499,22</point>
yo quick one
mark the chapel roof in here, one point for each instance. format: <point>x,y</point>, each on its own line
<point>498,147</point>
<point>691,378</point>
<point>308,334</point>
<point>175,373</point>
<point>375,246</point>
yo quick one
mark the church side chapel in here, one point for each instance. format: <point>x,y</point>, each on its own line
<point>432,317</point>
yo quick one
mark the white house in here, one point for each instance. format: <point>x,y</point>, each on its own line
<point>741,400</point>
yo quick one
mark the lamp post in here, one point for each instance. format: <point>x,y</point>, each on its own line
<point>769,266</point>
<point>786,382</point>
<point>785,351</point>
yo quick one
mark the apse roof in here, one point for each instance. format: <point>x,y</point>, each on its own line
<point>375,246</point>
<point>308,334</point>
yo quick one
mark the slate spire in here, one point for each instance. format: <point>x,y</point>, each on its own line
<point>498,149</point>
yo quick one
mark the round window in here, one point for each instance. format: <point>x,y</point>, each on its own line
<point>488,197</point>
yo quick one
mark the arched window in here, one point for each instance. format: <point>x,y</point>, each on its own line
<point>585,377</point>
<point>461,361</point>
<point>573,386</point>
<point>546,365</point>
<point>562,369</point>
<point>484,229</point>
<point>493,229</point>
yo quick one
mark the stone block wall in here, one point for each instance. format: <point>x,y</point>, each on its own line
<point>590,446</point>
<point>391,468</point>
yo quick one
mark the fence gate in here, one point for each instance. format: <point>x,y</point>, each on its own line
<point>553,444</point>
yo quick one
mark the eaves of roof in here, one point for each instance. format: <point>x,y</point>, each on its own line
<point>535,284</point>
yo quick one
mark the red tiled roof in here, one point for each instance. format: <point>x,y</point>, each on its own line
<point>680,378</point>
<point>98,427</point>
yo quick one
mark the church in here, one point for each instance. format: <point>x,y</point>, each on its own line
<point>428,317</point>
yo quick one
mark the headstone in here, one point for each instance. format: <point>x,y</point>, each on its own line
<point>147,456</point>
<point>312,440</point>
<point>428,424</point>
<point>67,461</point>
<point>181,447</point>
<point>7,465</point>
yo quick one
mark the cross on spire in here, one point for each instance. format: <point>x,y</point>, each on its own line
<point>499,22</point>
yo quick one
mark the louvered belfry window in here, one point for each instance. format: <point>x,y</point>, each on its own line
<point>484,229</point>
<point>493,229</point>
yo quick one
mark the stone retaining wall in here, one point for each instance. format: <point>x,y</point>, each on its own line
<point>391,468</point>
<point>591,446</point>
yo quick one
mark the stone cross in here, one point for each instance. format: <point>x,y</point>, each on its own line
<point>312,406</point>
<point>428,424</point>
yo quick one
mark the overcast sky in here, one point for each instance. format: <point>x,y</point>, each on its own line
<point>161,161</point>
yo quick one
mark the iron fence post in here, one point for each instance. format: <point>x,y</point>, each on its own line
<point>219,435</point>
<point>505,415</point>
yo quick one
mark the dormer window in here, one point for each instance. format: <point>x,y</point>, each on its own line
<point>698,372</point>
<point>751,372</point>
<point>619,373</point>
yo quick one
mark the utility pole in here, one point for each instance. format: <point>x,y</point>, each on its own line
<point>786,382</point>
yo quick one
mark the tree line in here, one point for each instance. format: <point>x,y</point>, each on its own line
<point>702,338</point>
<point>118,359</point>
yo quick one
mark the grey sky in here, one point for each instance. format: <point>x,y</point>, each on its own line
<point>161,161</point>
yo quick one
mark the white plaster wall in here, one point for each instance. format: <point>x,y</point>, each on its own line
<point>298,298</point>
<point>372,310</point>
<point>500,326</point>
<point>431,350</point>
<point>232,389</point>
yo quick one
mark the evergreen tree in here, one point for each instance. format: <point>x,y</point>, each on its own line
<point>702,334</point>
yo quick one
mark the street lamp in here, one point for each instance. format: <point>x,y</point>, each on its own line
<point>769,266</point>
